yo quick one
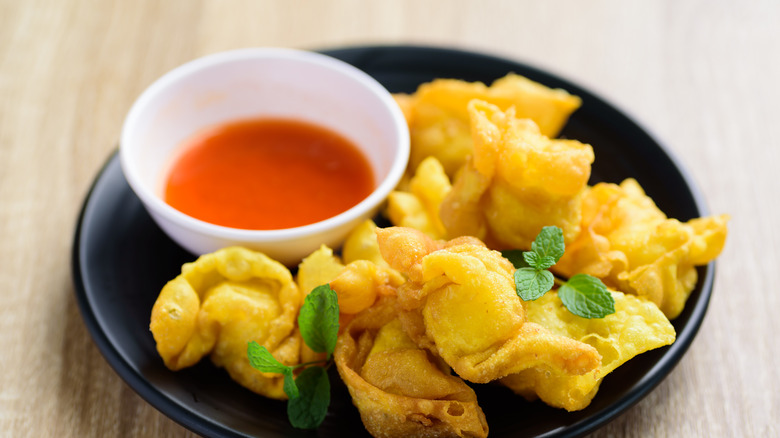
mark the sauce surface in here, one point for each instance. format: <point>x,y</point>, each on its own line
<point>267,174</point>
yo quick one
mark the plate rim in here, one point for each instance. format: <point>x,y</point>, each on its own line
<point>148,392</point>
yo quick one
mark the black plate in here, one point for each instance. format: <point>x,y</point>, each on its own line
<point>121,260</point>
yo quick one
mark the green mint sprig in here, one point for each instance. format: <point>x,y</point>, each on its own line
<point>583,294</point>
<point>309,393</point>
<point>262,359</point>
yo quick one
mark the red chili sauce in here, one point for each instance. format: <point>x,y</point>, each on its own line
<point>268,174</point>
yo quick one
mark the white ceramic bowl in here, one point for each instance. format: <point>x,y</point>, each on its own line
<point>252,83</point>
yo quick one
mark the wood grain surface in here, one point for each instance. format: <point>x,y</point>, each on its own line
<point>703,76</point>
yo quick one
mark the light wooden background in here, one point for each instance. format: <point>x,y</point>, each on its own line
<point>702,75</point>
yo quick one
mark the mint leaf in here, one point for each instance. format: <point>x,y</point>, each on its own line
<point>262,360</point>
<point>516,257</point>
<point>537,261</point>
<point>290,388</point>
<point>532,283</point>
<point>549,243</point>
<point>318,319</point>
<point>309,410</point>
<point>586,296</point>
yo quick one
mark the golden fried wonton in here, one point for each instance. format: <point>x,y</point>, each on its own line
<point>361,283</point>
<point>220,303</point>
<point>361,245</point>
<point>460,302</point>
<point>319,267</point>
<point>358,284</point>
<point>633,247</point>
<point>636,326</point>
<point>398,388</point>
<point>516,182</point>
<point>439,122</point>
<point>418,208</point>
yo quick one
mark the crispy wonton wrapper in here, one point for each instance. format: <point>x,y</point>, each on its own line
<point>362,283</point>
<point>636,326</point>
<point>632,246</point>
<point>439,122</point>
<point>358,284</point>
<point>399,389</point>
<point>318,268</point>
<point>220,303</point>
<point>418,207</point>
<point>361,244</point>
<point>516,182</point>
<point>460,302</point>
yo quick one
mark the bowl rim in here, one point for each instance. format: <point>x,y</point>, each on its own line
<point>158,206</point>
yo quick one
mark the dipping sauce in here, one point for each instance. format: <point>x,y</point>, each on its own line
<point>268,174</point>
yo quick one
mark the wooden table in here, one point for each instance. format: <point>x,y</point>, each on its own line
<point>702,75</point>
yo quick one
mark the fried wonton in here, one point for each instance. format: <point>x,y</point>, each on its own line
<point>399,389</point>
<point>460,302</point>
<point>319,267</point>
<point>361,283</point>
<point>220,303</point>
<point>357,284</point>
<point>636,326</point>
<point>419,207</point>
<point>632,246</point>
<point>516,182</point>
<point>361,245</point>
<point>439,122</point>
